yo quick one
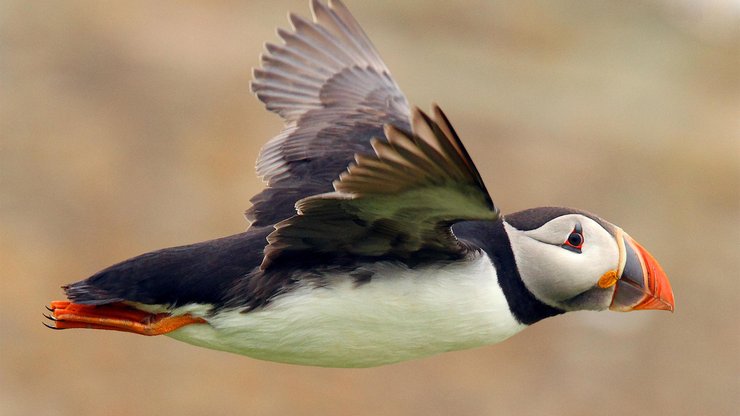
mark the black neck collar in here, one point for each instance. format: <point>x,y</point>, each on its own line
<point>491,237</point>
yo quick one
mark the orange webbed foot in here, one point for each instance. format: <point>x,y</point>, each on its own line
<point>115,317</point>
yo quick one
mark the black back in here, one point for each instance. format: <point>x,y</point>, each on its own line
<point>198,273</point>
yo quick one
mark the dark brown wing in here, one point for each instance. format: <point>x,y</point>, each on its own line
<point>334,92</point>
<point>396,203</point>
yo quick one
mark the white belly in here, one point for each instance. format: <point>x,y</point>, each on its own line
<point>400,314</point>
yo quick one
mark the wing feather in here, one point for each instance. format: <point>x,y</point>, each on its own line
<point>334,93</point>
<point>397,203</point>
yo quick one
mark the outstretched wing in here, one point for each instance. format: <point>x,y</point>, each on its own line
<point>334,92</point>
<point>398,203</point>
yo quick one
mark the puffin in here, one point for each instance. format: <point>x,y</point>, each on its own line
<point>375,240</point>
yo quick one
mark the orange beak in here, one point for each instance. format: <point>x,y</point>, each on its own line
<point>642,282</point>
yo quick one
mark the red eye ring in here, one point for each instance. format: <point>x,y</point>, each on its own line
<point>575,240</point>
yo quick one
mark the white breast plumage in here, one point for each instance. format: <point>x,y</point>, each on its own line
<point>400,314</point>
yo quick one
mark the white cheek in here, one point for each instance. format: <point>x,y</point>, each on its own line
<point>548,271</point>
<point>601,256</point>
<point>554,274</point>
<point>585,269</point>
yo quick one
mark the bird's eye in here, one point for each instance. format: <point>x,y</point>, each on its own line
<point>575,240</point>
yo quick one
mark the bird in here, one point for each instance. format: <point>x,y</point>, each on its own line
<point>374,241</point>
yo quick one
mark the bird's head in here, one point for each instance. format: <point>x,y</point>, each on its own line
<point>573,260</point>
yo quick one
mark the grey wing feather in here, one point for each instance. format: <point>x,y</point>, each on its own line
<point>334,93</point>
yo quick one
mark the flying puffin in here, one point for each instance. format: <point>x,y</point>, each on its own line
<point>375,240</point>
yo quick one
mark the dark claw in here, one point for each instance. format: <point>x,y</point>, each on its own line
<point>49,309</point>
<point>51,327</point>
<point>51,318</point>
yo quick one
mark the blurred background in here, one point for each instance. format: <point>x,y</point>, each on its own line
<point>129,126</point>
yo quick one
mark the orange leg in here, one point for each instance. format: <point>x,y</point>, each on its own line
<point>115,317</point>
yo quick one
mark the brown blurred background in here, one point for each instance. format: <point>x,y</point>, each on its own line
<point>129,126</point>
